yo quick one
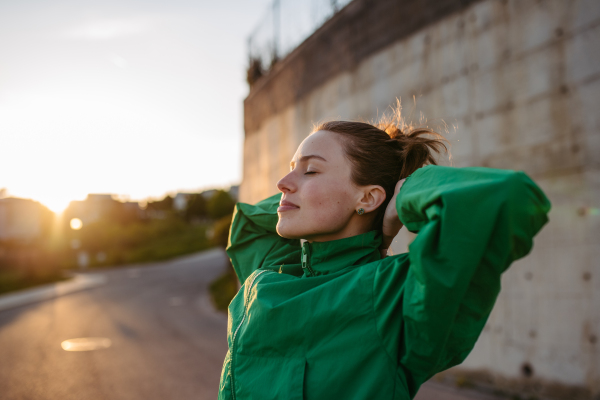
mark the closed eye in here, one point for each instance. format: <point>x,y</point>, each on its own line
<point>310,172</point>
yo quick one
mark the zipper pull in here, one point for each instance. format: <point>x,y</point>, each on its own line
<point>306,259</point>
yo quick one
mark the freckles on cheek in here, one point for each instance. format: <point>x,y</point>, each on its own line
<point>327,195</point>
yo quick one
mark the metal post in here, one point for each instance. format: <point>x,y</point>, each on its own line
<point>276,28</point>
<point>249,49</point>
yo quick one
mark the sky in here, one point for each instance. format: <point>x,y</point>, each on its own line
<point>134,98</point>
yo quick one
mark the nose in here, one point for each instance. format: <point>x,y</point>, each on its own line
<point>287,184</point>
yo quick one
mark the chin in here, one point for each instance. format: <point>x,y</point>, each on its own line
<point>286,230</point>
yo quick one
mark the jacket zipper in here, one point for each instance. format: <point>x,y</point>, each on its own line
<point>238,328</point>
<point>306,259</point>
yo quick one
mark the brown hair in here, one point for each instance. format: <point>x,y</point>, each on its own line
<point>386,151</point>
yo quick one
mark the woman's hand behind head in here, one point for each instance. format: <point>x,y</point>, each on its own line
<point>343,173</point>
<point>391,222</point>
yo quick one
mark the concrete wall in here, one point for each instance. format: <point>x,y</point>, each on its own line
<point>520,82</point>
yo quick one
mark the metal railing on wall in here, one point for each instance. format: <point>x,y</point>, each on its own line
<point>284,25</point>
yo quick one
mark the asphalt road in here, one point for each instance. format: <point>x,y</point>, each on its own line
<point>167,342</point>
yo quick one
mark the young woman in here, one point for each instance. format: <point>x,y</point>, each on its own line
<point>333,318</point>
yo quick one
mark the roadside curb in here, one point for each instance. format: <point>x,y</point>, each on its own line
<point>50,291</point>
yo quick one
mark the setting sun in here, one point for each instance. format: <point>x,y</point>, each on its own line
<point>130,115</point>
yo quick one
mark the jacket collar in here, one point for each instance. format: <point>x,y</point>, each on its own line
<point>320,258</point>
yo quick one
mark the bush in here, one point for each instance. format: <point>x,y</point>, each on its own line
<point>220,205</point>
<point>224,289</point>
<point>151,240</point>
<point>196,207</point>
<point>221,231</point>
<point>26,265</point>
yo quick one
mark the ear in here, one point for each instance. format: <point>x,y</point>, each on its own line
<point>372,197</point>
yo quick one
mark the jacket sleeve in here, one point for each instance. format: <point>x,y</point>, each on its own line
<point>472,223</point>
<point>253,240</point>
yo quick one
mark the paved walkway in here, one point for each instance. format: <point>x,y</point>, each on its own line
<point>437,391</point>
<point>150,334</point>
<point>51,290</point>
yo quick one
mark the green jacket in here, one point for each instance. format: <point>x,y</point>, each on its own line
<point>332,320</point>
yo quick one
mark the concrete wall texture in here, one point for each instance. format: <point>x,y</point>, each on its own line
<point>518,82</point>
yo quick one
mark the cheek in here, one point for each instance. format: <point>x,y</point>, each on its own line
<point>326,206</point>
<point>327,201</point>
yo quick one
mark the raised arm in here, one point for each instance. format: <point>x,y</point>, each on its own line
<point>472,223</point>
<point>254,242</point>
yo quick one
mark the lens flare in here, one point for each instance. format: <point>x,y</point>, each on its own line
<point>76,224</point>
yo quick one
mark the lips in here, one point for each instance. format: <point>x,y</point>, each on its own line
<point>287,206</point>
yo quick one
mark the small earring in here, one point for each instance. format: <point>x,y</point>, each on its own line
<point>360,211</point>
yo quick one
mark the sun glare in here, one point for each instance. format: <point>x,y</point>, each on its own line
<point>76,224</point>
<point>56,205</point>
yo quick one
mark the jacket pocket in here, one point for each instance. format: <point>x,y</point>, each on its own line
<point>269,378</point>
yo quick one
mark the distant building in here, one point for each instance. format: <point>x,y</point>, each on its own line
<point>133,208</point>
<point>99,206</point>
<point>234,191</point>
<point>21,219</point>
<point>180,201</point>
<point>91,209</point>
<point>208,193</point>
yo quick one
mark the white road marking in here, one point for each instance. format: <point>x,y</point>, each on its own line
<point>86,344</point>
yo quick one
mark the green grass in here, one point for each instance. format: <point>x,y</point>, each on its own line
<point>159,248</point>
<point>223,290</point>
<point>17,280</point>
<point>119,244</point>
<point>141,242</point>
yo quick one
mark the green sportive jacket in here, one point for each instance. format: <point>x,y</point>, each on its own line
<point>332,320</point>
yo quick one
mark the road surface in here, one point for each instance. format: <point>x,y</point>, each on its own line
<point>166,340</point>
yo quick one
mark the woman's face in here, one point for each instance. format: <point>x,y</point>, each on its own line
<point>319,198</point>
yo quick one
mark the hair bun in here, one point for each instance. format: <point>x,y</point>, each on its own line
<point>384,151</point>
<point>393,131</point>
<point>417,144</point>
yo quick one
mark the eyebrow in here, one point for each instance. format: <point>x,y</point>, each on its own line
<point>305,158</point>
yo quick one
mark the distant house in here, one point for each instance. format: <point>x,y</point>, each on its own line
<point>207,194</point>
<point>234,191</point>
<point>180,201</point>
<point>100,206</point>
<point>21,219</point>
<point>132,206</point>
<point>91,209</point>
